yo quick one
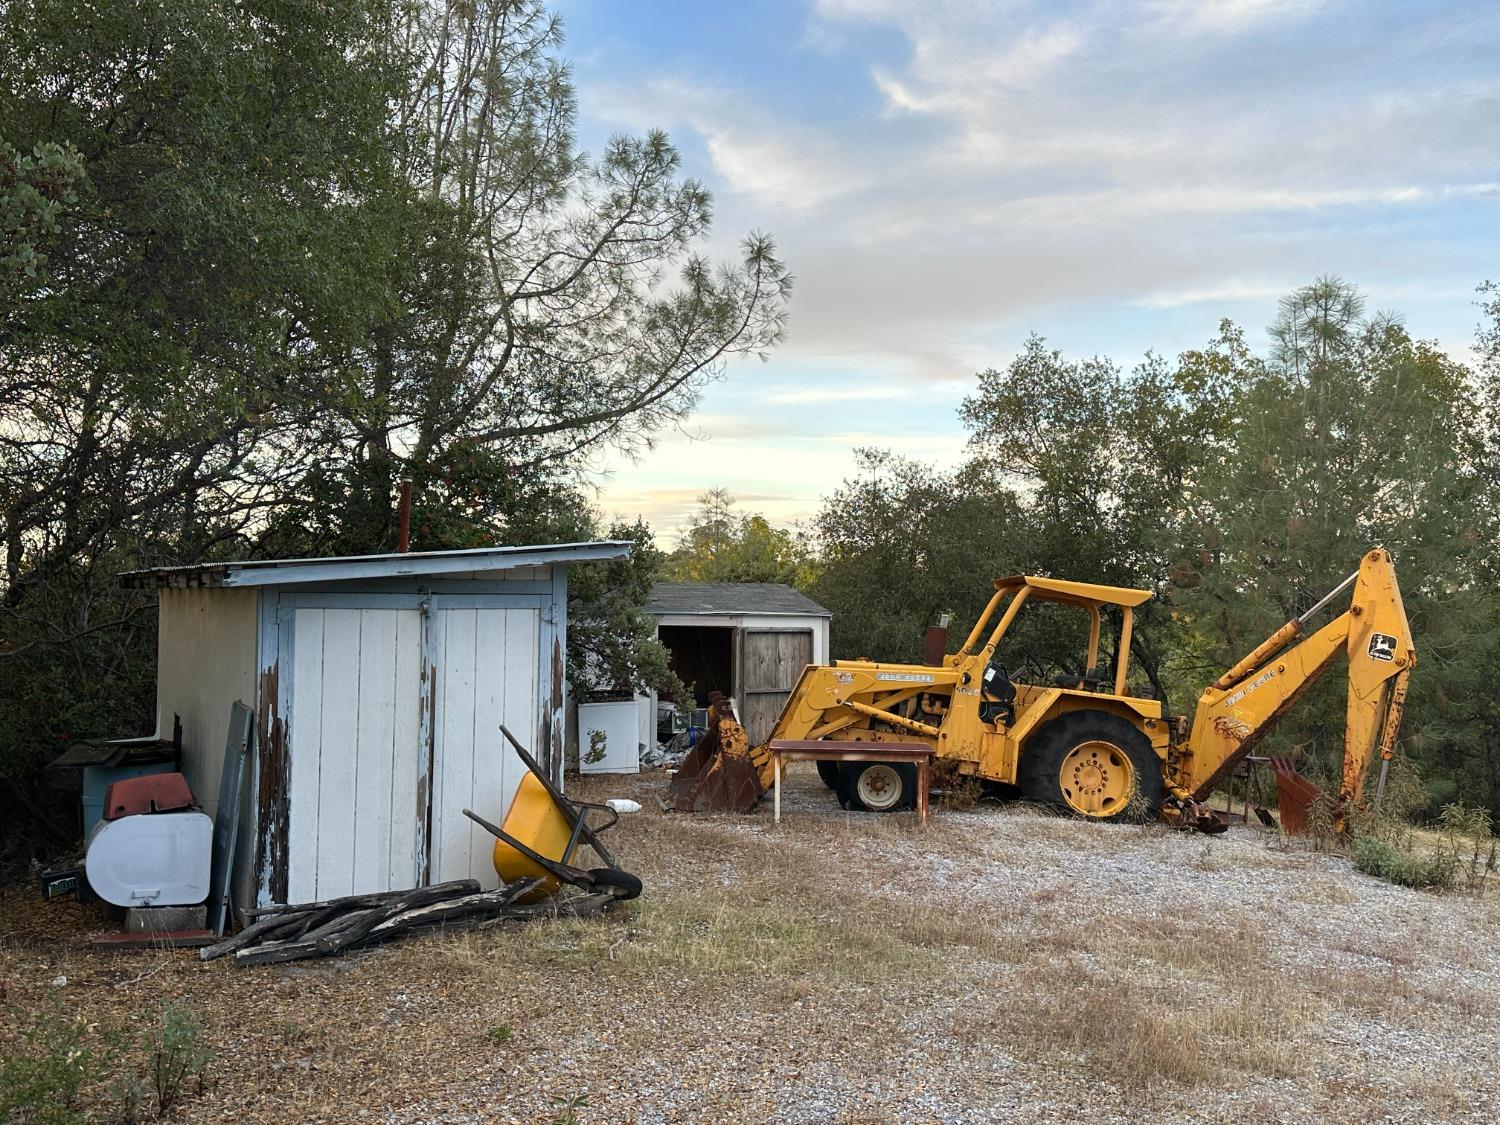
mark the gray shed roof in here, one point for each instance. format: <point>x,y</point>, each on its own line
<point>709,598</point>
<point>430,564</point>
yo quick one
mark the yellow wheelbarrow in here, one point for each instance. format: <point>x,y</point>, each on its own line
<point>542,833</point>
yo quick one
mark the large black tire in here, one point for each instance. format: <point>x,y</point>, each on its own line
<point>829,772</point>
<point>1109,748</point>
<point>877,786</point>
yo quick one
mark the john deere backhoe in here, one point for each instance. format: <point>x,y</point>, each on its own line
<point>1085,743</point>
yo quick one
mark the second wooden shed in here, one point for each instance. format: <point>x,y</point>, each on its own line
<point>749,640</point>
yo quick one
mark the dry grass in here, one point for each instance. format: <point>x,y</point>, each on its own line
<point>1148,1002</point>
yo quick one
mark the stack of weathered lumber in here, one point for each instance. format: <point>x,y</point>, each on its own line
<point>313,929</point>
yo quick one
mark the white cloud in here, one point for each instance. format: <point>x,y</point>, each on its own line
<point>1226,16</point>
<point>838,394</point>
<point>1216,294</point>
<point>777,165</point>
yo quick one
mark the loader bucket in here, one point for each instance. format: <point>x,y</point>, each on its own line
<point>720,775</point>
<point>1295,795</point>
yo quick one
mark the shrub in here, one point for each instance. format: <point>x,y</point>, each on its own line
<point>40,1081</point>
<point>178,1054</point>
<point>1383,860</point>
<point>60,1060</point>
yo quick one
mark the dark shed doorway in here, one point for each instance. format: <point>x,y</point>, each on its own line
<point>702,657</point>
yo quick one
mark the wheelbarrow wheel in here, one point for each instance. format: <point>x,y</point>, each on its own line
<point>621,884</point>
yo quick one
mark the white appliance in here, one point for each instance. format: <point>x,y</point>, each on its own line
<point>609,737</point>
<point>153,859</point>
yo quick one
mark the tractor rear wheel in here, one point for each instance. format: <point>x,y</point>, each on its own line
<point>877,786</point>
<point>829,772</point>
<point>1094,764</point>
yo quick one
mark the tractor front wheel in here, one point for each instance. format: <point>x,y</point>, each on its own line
<point>1094,764</point>
<point>829,771</point>
<point>877,786</point>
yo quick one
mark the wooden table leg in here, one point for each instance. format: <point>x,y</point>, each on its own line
<point>776,768</point>
<point>922,780</point>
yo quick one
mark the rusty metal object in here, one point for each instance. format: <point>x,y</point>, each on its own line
<point>722,773</point>
<point>1203,819</point>
<point>1295,795</point>
<point>403,537</point>
<point>1193,816</point>
<point>935,644</point>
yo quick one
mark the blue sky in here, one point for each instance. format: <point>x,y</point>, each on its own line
<point>945,177</point>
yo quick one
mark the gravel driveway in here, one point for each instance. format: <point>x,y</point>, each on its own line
<point>999,965</point>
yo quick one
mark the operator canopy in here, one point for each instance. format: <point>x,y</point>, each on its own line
<point>1074,593</point>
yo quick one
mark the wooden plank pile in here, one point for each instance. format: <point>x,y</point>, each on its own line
<point>315,929</point>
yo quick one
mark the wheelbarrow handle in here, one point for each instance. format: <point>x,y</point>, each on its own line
<point>564,871</point>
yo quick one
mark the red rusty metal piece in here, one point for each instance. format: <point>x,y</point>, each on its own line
<point>1198,816</point>
<point>403,537</point>
<point>725,778</point>
<point>157,792</point>
<point>935,645</point>
<point>719,775</point>
<point>1295,795</point>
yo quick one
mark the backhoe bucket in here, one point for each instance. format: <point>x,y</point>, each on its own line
<point>1295,795</point>
<point>720,775</point>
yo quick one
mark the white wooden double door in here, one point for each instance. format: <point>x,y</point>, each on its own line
<point>393,730</point>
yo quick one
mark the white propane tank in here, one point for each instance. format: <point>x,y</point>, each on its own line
<point>151,859</point>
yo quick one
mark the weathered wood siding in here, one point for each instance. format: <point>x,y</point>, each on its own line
<point>770,662</point>
<point>487,662</point>
<point>354,820</point>
<point>205,661</point>
<point>389,706</point>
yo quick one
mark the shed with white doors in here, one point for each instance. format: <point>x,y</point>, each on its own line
<point>379,684</point>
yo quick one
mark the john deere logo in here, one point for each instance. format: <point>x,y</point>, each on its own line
<point>1382,646</point>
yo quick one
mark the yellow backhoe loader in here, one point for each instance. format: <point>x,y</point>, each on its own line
<point>1087,743</point>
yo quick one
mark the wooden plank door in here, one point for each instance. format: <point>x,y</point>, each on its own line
<point>770,662</point>
<point>354,751</point>
<point>487,663</point>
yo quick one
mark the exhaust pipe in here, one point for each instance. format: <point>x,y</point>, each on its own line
<point>935,645</point>
<point>403,537</point>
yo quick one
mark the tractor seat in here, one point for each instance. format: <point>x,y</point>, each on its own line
<point>1098,678</point>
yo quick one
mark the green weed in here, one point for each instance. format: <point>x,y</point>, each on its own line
<point>1377,857</point>
<point>178,1055</point>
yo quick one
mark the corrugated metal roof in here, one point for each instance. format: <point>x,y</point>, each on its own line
<point>428,564</point>
<point>707,598</point>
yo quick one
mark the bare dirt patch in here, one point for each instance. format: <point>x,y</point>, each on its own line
<point>1000,964</point>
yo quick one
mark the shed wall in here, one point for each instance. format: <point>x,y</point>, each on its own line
<point>818,625</point>
<point>205,661</point>
<point>390,705</point>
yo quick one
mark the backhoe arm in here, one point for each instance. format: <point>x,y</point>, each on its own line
<point>1242,706</point>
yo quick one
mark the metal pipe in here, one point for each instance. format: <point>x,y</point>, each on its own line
<point>889,716</point>
<point>1263,652</point>
<point>1010,615</point>
<point>974,633</point>
<point>1389,730</point>
<point>403,538</point>
<point>1279,639</point>
<point>1122,666</point>
<point>1328,597</point>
